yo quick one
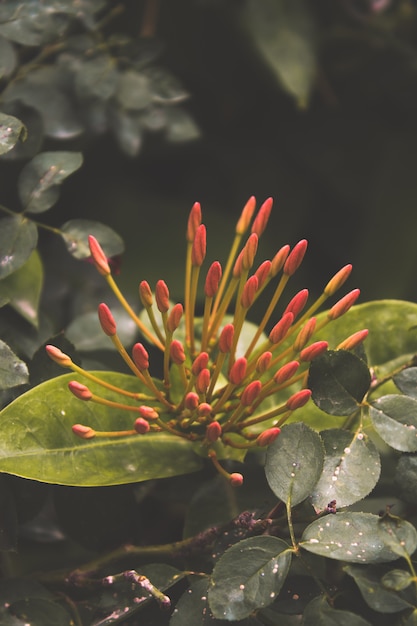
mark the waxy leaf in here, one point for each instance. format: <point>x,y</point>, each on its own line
<point>13,371</point>
<point>86,333</point>
<point>338,380</point>
<point>11,130</point>
<point>405,478</point>
<point>22,289</point>
<point>377,595</point>
<point>318,611</point>
<point>394,417</point>
<point>18,238</point>
<point>406,381</point>
<point>39,179</point>
<point>351,469</point>
<point>294,463</point>
<point>75,235</point>
<point>248,576</point>
<point>37,441</point>
<point>359,538</point>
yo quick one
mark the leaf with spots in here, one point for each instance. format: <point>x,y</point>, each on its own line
<point>13,371</point>
<point>248,576</point>
<point>358,538</point>
<point>294,463</point>
<point>351,469</point>
<point>11,130</point>
<point>379,596</point>
<point>406,381</point>
<point>394,418</point>
<point>18,239</point>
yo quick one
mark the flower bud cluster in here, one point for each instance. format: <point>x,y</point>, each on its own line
<point>218,388</point>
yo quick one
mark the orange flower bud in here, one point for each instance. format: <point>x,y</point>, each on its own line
<point>249,292</point>
<point>343,305</point>
<point>200,363</point>
<point>338,280</point>
<point>145,294</point>
<point>238,266</point>
<point>354,340</point>
<point>142,426</point>
<point>106,319</point>
<point>281,328</point>
<point>305,334</point>
<point>213,432</point>
<point>262,272</point>
<point>198,252</point>
<point>80,391</point>
<point>267,437</point>
<point>236,479</point>
<point>312,352</point>
<point>85,432</point>
<point>263,362</point>
<point>202,381</point>
<point>174,317</point>
<point>226,338</point>
<point>295,257</point>
<point>238,371</point>
<point>246,216</point>
<point>249,251</point>
<point>261,220</point>
<point>194,221</point>
<point>286,372</point>
<point>279,260</point>
<point>214,275</point>
<point>148,413</point>
<point>162,296</point>
<point>297,303</point>
<point>299,399</point>
<point>98,256</point>
<point>140,356</point>
<point>176,352</point>
<point>58,356</point>
<point>250,393</point>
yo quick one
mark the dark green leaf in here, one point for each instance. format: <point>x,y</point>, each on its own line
<point>378,596</point>
<point>8,57</point>
<point>351,469</point>
<point>39,179</point>
<point>37,441</point>
<point>248,576</point>
<point>318,611</point>
<point>11,130</point>
<point>35,131</point>
<point>338,380</point>
<point>22,289</point>
<point>405,478</point>
<point>398,534</point>
<point>283,33</point>
<point>192,608</point>
<point>397,579</point>
<point>8,518</point>
<point>75,235</point>
<point>24,601</point>
<point>127,129</point>
<point>86,333</point>
<point>18,238</point>
<point>13,371</point>
<point>357,538</point>
<point>294,463</point>
<point>394,417</point>
<point>97,78</point>
<point>133,91</point>
<point>406,381</point>
<point>32,23</point>
<point>181,126</point>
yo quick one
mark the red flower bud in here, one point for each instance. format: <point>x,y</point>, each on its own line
<point>204,409</point>
<point>249,292</point>
<point>295,257</point>
<point>98,256</point>
<point>250,393</point>
<point>249,251</point>
<point>338,280</point>
<point>148,413</point>
<point>202,381</point>
<point>106,319</point>
<point>58,356</point>
<point>268,437</point>
<point>85,432</point>
<point>262,272</point>
<point>213,432</point>
<point>176,352</point>
<point>279,260</point>
<point>280,329</point>
<point>142,426</point>
<point>191,401</point>
<point>214,275</point>
<point>298,302</point>
<point>226,338</point>
<point>354,340</point>
<point>246,216</point>
<point>140,356</point>
<point>236,479</point>
<point>162,296</point>
<point>305,334</point>
<point>200,363</point>
<point>194,221</point>
<point>80,391</point>
<point>238,371</point>
<point>263,362</point>
<point>238,266</point>
<point>145,294</point>
<point>261,220</point>
<point>198,251</point>
<point>343,305</point>
<point>299,399</point>
<point>313,351</point>
<point>286,372</point>
<point>174,317</point>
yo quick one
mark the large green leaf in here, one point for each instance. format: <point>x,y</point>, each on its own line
<point>394,417</point>
<point>351,469</point>
<point>39,179</point>
<point>37,441</point>
<point>18,238</point>
<point>377,595</point>
<point>11,130</point>
<point>318,611</point>
<point>22,289</point>
<point>248,576</point>
<point>294,463</point>
<point>26,601</point>
<point>406,381</point>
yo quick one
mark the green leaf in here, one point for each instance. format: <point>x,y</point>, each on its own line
<point>357,538</point>
<point>31,23</point>
<point>22,289</point>
<point>405,478</point>
<point>351,469</point>
<point>39,179</point>
<point>406,381</point>
<point>37,441</point>
<point>181,127</point>
<point>399,535</point>
<point>284,34</point>
<point>397,579</point>
<point>248,576</point>
<point>8,518</point>
<point>18,238</point>
<point>75,235</point>
<point>97,78</point>
<point>13,371</point>
<point>318,611</point>
<point>25,601</point>
<point>377,595</point>
<point>86,333</point>
<point>133,91</point>
<point>11,130</point>
<point>8,58</point>
<point>294,463</point>
<point>394,418</point>
<point>338,380</point>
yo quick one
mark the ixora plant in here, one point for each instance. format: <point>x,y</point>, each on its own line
<point>294,542</point>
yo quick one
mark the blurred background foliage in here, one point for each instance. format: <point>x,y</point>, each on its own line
<point>309,101</point>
